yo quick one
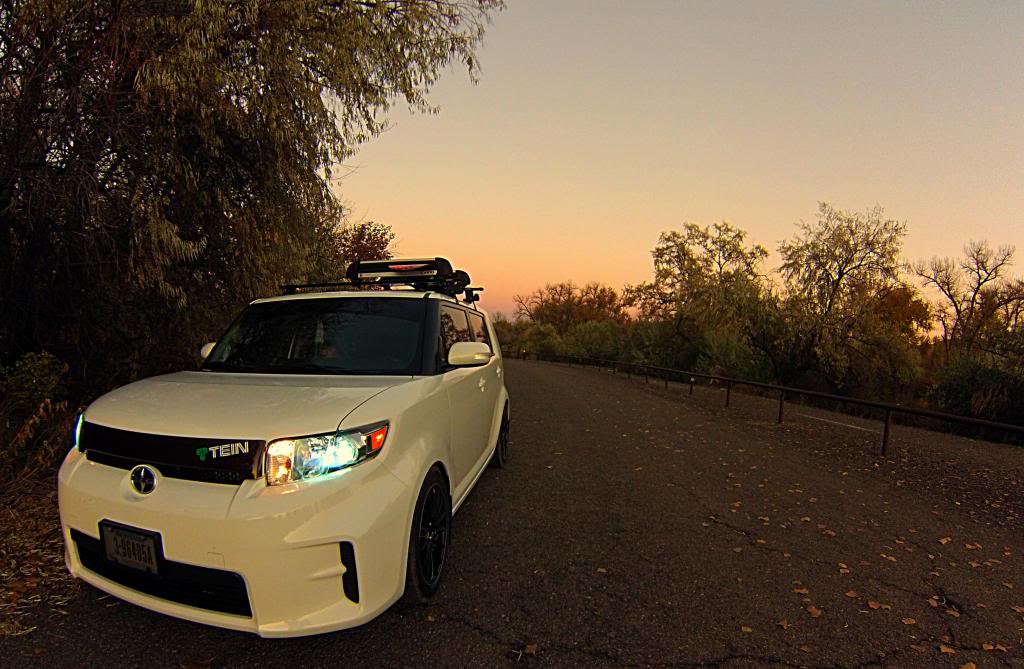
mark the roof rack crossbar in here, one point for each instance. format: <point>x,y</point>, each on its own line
<point>427,274</point>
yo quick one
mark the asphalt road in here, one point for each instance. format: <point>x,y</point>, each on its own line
<point>638,526</point>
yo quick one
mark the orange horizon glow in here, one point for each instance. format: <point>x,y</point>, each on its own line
<point>595,127</point>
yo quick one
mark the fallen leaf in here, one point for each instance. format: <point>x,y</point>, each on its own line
<point>1018,609</point>
<point>784,624</point>
<point>945,540</point>
<point>943,648</point>
<point>851,593</point>
<point>805,648</point>
<point>953,612</point>
<point>814,611</point>
<point>968,665</point>
<point>602,570</point>
<point>919,649</point>
<point>801,591</point>
<point>872,604</point>
<point>746,630</point>
<point>531,649</point>
<point>908,621</point>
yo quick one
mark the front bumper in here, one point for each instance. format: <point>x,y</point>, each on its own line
<point>284,543</point>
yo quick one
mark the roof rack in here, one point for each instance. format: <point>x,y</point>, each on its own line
<point>426,274</point>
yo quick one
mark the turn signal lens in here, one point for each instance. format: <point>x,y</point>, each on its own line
<point>279,461</point>
<point>375,439</point>
<point>304,458</point>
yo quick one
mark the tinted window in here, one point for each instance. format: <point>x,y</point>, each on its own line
<point>476,322</point>
<point>454,328</point>
<point>323,336</point>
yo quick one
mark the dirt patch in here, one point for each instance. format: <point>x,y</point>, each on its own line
<point>34,583</point>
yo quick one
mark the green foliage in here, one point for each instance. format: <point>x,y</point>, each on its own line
<point>594,339</point>
<point>162,163</point>
<point>34,416</point>
<point>34,377</point>
<point>972,388</point>
<point>846,321</point>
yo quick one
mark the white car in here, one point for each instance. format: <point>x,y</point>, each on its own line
<point>305,477</point>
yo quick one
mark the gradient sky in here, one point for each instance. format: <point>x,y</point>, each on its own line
<point>596,125</point>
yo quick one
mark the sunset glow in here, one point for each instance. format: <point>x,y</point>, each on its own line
<point>597,125</point>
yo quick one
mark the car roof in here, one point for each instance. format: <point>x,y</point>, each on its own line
<point>382,294</point>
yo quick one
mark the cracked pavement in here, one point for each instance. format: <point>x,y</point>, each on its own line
<point>639,526</point>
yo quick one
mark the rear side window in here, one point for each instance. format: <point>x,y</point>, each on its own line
<point>454,328</point>
<point>476,322</point>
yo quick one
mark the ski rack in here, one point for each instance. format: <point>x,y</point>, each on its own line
<point>423,274</point>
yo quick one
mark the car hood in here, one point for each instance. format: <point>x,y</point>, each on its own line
<point>236,406</point>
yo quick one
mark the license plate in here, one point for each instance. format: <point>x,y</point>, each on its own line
<point>130,547</point>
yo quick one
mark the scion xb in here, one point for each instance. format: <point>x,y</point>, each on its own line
<point>304,478</point>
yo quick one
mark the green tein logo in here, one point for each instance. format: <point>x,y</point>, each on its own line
<point>222,451</point>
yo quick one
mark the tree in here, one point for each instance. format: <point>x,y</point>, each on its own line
<point>562,305</point>
<point>344,243</point>
<point>706,282</point>
<point>158,156</point>
<point>839,272</point>
<point>697,271</point>
<point>980,306</point>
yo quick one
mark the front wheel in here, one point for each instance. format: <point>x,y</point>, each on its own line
<point>429,539</point>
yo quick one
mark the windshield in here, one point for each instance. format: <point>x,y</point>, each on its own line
<point>323,336</point>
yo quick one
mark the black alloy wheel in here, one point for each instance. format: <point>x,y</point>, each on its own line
<point>430,538</point>
<point>502,449</point>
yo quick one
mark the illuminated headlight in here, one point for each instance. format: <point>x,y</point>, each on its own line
<point>78,429</point>
<point>305,458</point>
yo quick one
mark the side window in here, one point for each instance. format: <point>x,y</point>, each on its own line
<point>476,321</point>
<point>454,328</point>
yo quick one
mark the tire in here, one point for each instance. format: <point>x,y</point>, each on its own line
<point>502,449</point>
<point>429,539</point>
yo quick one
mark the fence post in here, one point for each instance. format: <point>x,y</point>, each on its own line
<point>885,431</point>
<point>782,404</point>
<point>691,386</point>
<point>646,378</point>
<point>728,393</point>
<point>666,382</point>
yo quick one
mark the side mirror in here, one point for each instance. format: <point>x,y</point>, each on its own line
<point>204,352</point>
<point>469,353</point>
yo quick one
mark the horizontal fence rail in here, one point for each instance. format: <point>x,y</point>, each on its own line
<point>784,392</point>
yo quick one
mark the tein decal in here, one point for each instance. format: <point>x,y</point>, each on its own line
<point>223,451</point>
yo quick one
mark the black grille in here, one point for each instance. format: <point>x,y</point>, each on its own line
<point>227,477</point>
<point>190,458</point>
<point>201,587</point>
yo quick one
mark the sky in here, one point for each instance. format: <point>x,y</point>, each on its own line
<point>597,125</point>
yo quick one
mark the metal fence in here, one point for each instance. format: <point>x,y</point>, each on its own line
<point>785,393</point>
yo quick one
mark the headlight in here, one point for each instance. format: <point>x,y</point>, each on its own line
<point>78,429</point>
<point>304,458</point>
